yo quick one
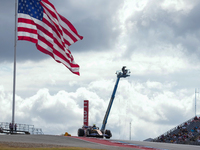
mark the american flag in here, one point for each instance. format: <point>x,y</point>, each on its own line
<point>40,23</point>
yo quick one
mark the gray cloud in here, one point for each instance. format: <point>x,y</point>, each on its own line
<point>158,45</point>
<point>25,50</point>
<point>155,26</point>
<point>95,25</point>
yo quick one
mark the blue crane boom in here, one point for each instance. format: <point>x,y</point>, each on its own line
<point>120,74</point>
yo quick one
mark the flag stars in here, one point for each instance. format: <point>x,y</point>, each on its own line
<point>42,39</point>
<point>31,7</point>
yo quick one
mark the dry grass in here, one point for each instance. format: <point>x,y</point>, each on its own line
<point>33,146</point>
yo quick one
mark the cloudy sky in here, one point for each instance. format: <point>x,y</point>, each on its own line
<point>157,40</point>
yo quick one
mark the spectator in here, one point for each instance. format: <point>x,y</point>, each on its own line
<point>184,133</point>
<point>15,127</point>
<point>198,130</point>
<point>184,127</point>
<point>10,126</point>
<point>198,140</point>
<point>195,119</point>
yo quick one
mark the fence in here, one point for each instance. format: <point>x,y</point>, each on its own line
<point>21,128</point>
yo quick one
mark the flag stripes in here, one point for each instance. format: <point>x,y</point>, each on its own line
<point>52,35</point>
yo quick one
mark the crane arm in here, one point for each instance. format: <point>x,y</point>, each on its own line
<point>125,73</point>
<point>109,106</point>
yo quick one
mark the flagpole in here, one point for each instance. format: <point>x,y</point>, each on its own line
<point>14,67</point>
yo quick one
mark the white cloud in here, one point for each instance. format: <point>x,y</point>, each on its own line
<point>135,102</point>
<point>154,39</point>
<point>183,6</point>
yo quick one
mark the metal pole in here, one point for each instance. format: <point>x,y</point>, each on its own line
<point>196,91</point>
<point>130,131</point>
<point>195,103</point>
<point>14,67</point>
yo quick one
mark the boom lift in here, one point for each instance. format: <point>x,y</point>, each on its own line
<point>120,74</point>
<point>94,131</point>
